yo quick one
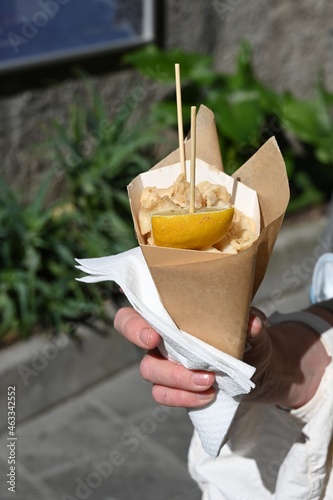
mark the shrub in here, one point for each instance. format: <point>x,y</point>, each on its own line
<point>37,285</point>
<point>39,241</point>
<point>248,113</point>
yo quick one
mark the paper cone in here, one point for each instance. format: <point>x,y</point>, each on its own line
<point>208,294</point>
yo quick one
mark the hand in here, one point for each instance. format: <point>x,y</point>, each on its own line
<point>289,358</point>
<point>174,385</point>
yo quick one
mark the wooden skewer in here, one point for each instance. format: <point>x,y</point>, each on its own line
<point>180,120</point>
<point>193,158</point>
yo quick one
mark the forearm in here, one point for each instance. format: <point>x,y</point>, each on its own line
<point>295,366</point>
<point>298,364</point>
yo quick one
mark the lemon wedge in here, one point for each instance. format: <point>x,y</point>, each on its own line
<point>191,231</point>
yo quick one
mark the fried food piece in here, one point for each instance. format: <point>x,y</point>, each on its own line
<point>241,235</point>
<point>214,195</point>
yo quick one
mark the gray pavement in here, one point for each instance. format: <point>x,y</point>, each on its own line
<point>112,442</point>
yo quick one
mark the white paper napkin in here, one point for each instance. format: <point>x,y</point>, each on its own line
<point>130,271</point>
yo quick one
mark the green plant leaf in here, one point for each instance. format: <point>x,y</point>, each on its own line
<point>238,117</point>
<point>160,65</point>
<point>309,120</point>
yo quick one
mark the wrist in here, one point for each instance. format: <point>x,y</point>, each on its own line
<point>297,364</point>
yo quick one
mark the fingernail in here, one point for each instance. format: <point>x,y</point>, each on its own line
<point>257,323</point>
<point>207,397</point>
<point>202,379</point>
<point>145,335</point>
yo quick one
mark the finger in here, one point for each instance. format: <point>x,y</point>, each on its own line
<point>163,372</point>
<point>259,340</point>
<point>134,328</point>
<point>185,399</point>
<point>257,325</point>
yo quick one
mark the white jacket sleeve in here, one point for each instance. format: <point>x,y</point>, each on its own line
<point>272,453</point>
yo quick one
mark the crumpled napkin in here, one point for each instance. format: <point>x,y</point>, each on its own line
<point>130,271</point>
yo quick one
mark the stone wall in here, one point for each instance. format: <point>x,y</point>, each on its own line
<point>291,42</point>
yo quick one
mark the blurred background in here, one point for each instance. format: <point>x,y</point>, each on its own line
<point>86,96</point>
<point>87,102</point>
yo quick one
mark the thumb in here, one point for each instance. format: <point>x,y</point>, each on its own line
<point>257,326</point>
<point>258,339</point>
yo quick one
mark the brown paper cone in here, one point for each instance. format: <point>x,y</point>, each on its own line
<point>209,294</point>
